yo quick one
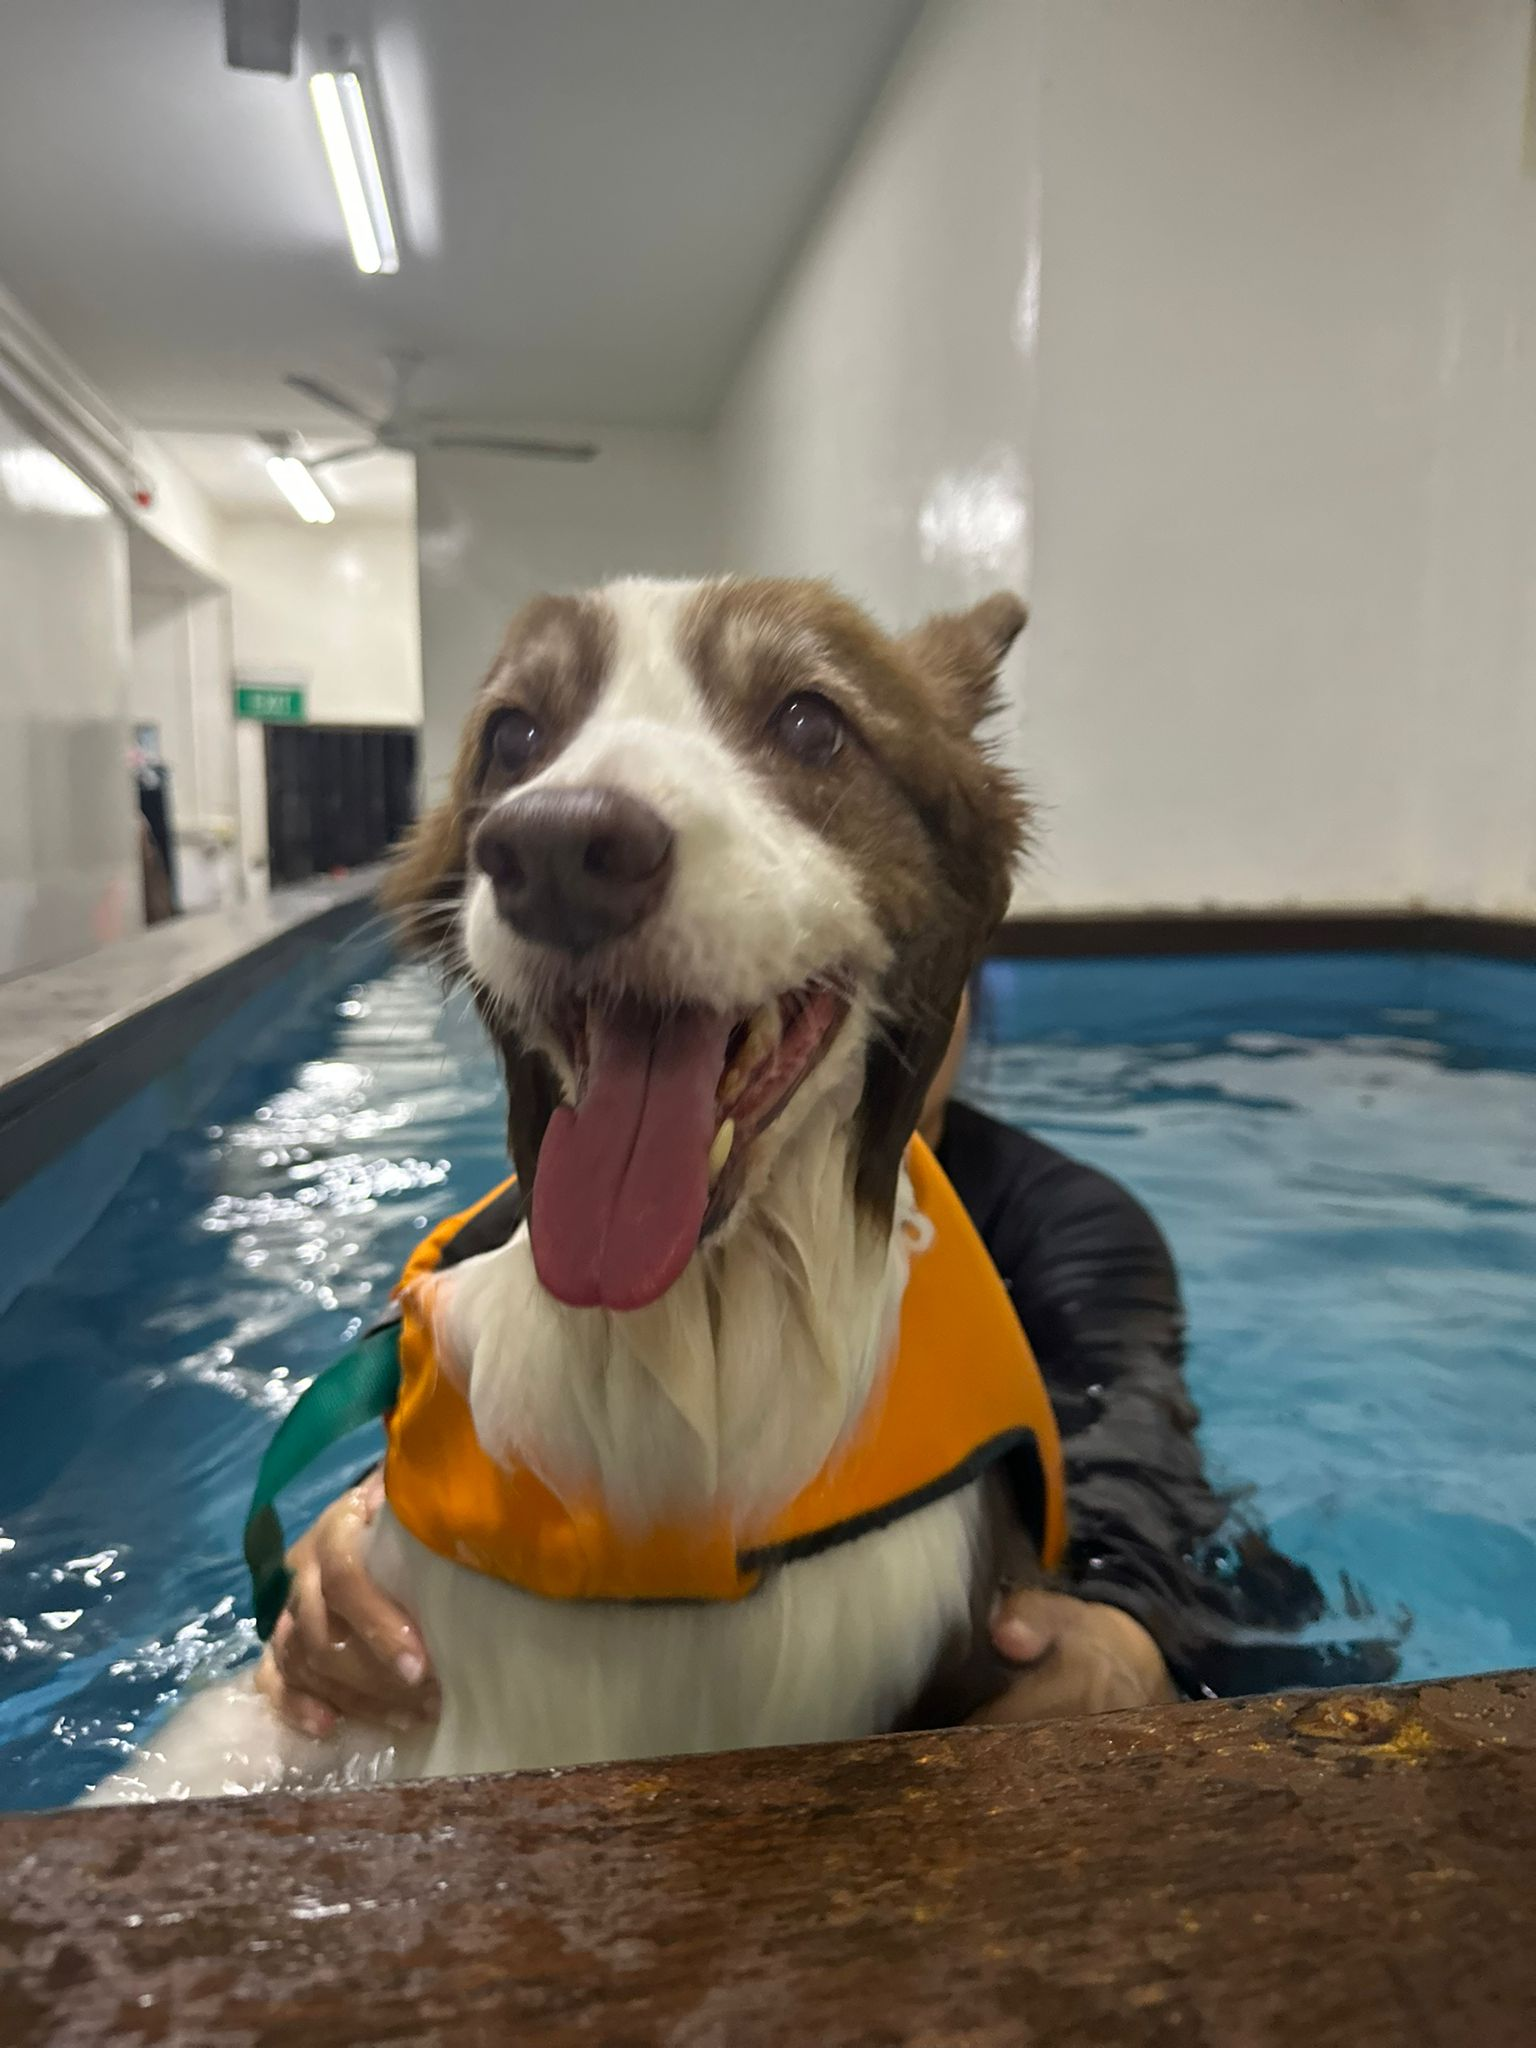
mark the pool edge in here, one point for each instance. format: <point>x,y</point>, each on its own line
<point>1297,1866</point>
<point>74,1127</point>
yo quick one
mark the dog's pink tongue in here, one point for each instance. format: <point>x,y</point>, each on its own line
<point>623,1180</point>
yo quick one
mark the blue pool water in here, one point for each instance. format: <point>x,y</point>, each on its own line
<point>1342,1153</point>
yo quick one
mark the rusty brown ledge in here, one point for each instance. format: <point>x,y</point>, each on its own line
<point>1312,1868</point>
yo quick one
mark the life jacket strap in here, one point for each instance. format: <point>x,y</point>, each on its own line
<point>360,1387</point>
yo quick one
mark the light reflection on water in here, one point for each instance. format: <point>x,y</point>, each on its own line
<point>143,1379</point>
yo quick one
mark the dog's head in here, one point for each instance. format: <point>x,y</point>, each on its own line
<point>714,854</point>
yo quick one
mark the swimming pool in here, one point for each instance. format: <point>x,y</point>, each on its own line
<point>1341,1150</point>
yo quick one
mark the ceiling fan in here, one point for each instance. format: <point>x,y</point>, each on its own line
<point>406,432</point>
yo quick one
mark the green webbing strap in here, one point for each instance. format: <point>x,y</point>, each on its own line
<point>358,1388</point>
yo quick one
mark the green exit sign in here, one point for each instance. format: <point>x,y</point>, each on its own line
<point>270,704</point>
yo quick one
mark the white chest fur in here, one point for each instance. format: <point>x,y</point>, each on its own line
<point>835,1646</point>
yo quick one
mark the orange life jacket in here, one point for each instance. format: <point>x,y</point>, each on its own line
<point>961,1393</point>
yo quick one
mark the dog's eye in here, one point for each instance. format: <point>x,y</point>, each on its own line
<point>809,727</point>
<point>513,741</point>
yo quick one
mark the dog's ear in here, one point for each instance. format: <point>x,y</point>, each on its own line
<point>428,870</point>
<point>976,815</point>
<point>962,652</point>
<point>425,878</point>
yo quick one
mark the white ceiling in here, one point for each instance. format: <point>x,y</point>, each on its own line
<point>596,197</point>
<point>232,469</point>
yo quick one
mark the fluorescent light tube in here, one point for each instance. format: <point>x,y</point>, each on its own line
<point>342,113</point>
<point>300,489</point>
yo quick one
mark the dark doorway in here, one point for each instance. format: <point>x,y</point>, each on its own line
<point>337,796</point>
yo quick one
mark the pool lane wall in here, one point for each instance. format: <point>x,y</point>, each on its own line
<point>73,1131</point>
<point>1487,1005</point>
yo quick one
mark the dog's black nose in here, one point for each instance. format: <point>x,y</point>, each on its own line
<point>573,867</point>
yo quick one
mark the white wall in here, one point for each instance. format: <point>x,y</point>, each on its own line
<point>69,852</point>
<point>494,531</point>
<point>109,618</point>
<point>180,514</point>
<point>182,673</point>
<point>1209,323</point>
<point>181,667</point>
<point>879,428</point>
<point>335,606</point>
<point>1474,818</point>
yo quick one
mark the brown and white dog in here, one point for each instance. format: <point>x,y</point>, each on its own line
<point>717,861</point>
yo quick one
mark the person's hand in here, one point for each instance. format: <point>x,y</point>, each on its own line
<point>341,1646</point>
<point>1073,1657</point>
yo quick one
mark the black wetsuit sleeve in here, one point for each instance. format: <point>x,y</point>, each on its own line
<point>1096,1290</point>
<point>1098,1295</point>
